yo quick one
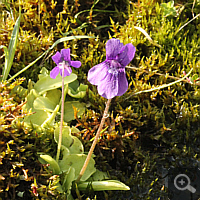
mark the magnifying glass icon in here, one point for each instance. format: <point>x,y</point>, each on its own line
<point>182,182</point>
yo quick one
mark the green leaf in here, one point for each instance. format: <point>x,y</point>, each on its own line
<point>49,102</point>
<point>65,151</point>
<point>33,94</point>
<point>54,165</point>
<point>103,185</point>
<point>69,111</point>
<point>20,91</point>
<point>67,139</point>
<point>68,179</point>
<point>9,56</point>
<point>74,85</point>
<point>80,92</point>
<point>54,95</point>
<point>38,116</point>
<point>43,72</point>
<point>76,147</point>
<point>6,56</point>
<point>47,83</point>
<point>76,161</point>
<point>42,103</point>
<point>98,176</point>
<point>74,130</point>
<point>72,143</point>
<point>50,120</point>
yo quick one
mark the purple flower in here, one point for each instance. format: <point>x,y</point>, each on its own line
<point>62,59</point>
<point>110,76</point>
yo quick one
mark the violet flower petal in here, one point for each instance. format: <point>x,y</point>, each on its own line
<point>57,58</point>
<point>126,54</point>
<point>122,83</point>
<point>76,64</point>
<point>67,71</point>
<point>97,73</point>
<point>65,53</point>
<point>54,72</point>
<point>113,47</point>
<point>109,87</point>
<point>110,76</point>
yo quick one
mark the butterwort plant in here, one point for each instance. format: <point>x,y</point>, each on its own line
<point>63,62</point>
<point>110,79</point>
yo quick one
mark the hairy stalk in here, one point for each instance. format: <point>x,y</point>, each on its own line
<point>62,115</point>
<point>105,114</point>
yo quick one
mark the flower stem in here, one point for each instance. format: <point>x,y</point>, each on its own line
<point>62,115</point>
<point>95,141</point>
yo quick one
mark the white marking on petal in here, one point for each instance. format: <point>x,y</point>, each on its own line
<point>113,71</point>
<point>114,67</point>
<point>64,64</point>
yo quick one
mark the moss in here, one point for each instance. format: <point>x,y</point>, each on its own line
<point>148,132</point>
<point>163,126</point>
<point>19,166</point>
<point>44,22</point>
